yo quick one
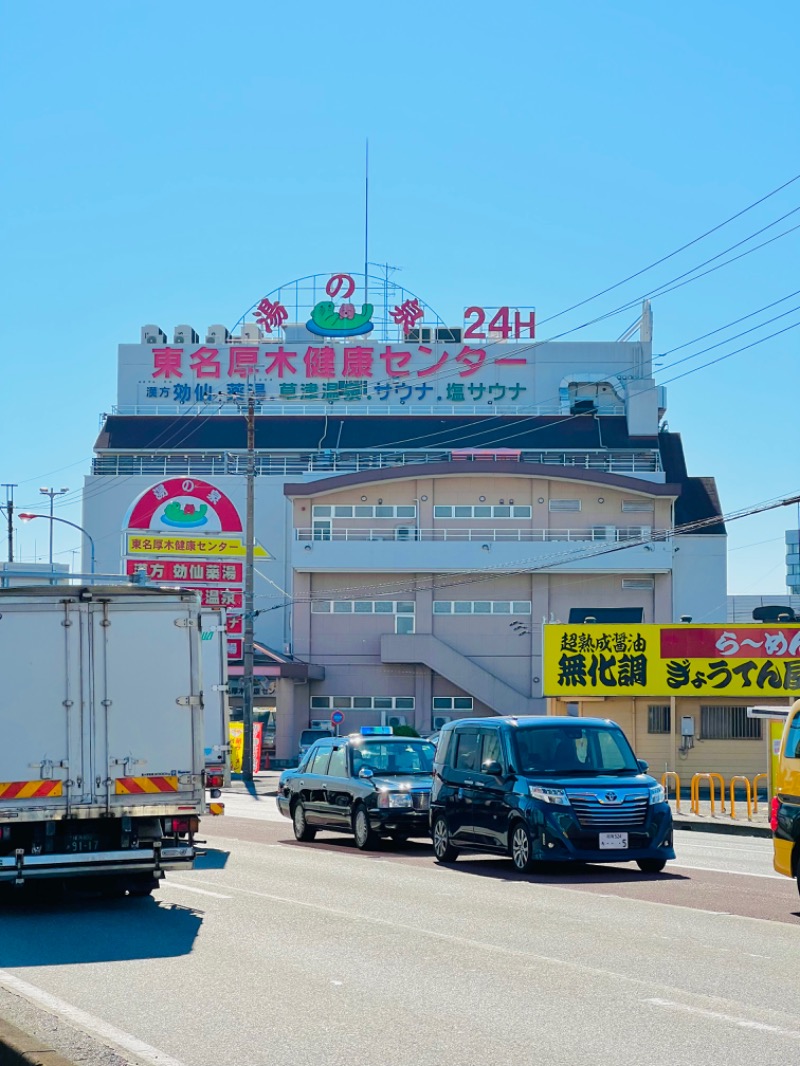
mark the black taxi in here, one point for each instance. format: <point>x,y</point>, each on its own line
<point>370,784</point>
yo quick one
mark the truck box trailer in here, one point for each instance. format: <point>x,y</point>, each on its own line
<point>101,720</point>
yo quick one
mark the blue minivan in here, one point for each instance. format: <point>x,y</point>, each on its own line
<point>547,789</point>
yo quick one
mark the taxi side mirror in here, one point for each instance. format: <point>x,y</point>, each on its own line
<point>366,772</point>
<point>643,765</point>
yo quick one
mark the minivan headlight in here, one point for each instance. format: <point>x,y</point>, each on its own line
<point>657,794</point>
<point>549,795</point>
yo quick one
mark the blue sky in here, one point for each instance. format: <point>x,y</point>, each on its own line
<point>172,162</point>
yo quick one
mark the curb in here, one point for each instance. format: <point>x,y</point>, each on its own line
<point>19,1049</point>
<point>729,829</point>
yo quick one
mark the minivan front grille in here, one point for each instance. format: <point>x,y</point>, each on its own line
<point>592,811</point>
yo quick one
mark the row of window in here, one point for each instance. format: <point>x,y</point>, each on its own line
<point>482,607</point>
<point>457,510</point>
<point>362,606</point>
<point>363,703</point>
<point>716,723</point>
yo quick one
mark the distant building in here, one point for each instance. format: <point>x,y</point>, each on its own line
<point>793,561</point>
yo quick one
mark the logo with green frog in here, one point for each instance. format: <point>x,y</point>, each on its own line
<point>184,516</point>
<point>328,321</point>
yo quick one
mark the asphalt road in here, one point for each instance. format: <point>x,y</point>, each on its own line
<point>277,952</point>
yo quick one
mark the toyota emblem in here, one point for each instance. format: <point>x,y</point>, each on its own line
<point>611,797</point>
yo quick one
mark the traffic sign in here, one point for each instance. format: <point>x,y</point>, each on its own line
<point>337,718</point>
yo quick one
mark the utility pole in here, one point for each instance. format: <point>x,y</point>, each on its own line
<point>247,651</point>
<point>10,516</point>
<point>52,493</point>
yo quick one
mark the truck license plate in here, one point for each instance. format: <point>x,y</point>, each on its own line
<point>82,842</point>
<point>613,841</point>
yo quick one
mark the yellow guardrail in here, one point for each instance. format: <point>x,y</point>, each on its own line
<point>671,774</point>
<point>712,779</point>
<point>756,779</point>
<point>734,779</point>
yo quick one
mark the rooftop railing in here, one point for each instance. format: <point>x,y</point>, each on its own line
<point>328,461</point>
<point>411,533</point>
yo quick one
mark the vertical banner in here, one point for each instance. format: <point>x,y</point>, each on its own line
<point>236,734</point>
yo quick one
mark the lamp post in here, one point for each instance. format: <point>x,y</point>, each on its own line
<point>52,493</point>
<point>26,516</point>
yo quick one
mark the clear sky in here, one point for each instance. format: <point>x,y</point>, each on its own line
<point>172,162</point>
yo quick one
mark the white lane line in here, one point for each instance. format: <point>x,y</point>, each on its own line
<point>732,1019</point>
<point>172,883</point>
<point>767,849</point>
<point>108,1034</point>
<point>717,870</point>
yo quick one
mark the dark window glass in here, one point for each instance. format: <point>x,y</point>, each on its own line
<point>468,751</point>
<point>492,748</point>
<point>320,763</point>
<point>573,749</point>
<point>337,767</point>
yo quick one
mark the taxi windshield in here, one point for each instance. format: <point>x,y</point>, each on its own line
<point>578,749</point>
<point>390,757</point>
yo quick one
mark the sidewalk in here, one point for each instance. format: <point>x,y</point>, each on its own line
<point>265,783</point>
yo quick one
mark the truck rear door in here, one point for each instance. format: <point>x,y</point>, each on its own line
<point>148,718</point>
<point>42,757</point>
<point>216,715</point>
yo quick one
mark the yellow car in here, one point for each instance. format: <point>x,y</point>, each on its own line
<point>785,809</point>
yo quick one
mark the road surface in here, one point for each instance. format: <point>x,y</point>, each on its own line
<point>273,951</point>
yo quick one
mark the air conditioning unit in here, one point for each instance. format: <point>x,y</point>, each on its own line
<point>405,533</point>
<point>251,333</point>
<point>389,718</point>
<point>153,335</point>
<point>185,335</point>
<point>421,335</point>
<point>217,335</point>
<point>604,532</point>
<point>440,720</point>
<point>320,723</point>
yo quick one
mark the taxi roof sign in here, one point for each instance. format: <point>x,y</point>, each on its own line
<point>376,731</point>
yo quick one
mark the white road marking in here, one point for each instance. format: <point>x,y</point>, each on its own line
<point>716,870</point>
<point>108,1034</point>
<point>172,883</point>
<point>732,1019</point>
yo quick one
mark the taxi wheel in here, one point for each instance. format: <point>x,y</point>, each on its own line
<point>521,848</point>
<point>302,830</point>
<point>442,848</point>
<point>651,866</point>
<point>366,837</point>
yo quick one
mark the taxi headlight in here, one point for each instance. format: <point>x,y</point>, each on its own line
<point>395,799</point>
<point>549,795</point>
<point>657,794</point>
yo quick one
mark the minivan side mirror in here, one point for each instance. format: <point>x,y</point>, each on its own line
<point>492,768</point>
<point>643,765</point>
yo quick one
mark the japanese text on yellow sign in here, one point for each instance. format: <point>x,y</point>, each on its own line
<point>680,660</point>
<point>195,546</point>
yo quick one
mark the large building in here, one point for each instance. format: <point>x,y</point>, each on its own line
<point>428,493</point>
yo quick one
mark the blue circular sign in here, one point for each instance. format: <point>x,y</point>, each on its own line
<point>337,717</point>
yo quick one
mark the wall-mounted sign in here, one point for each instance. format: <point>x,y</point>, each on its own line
<point>666,660</point>
<point>217,547</point>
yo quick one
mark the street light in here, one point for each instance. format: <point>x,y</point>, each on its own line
<point>52,493</point>
<point>26,516</point>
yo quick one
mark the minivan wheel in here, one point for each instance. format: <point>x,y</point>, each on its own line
<point>521,848</point>
<point>366,837</point>
<point>651,866</point>
<point>442,848</point>
<point>302,830</point>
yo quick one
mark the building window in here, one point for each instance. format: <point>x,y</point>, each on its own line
<point>362,703</point>
<point>637,505</point>
<point>365,511</point>
<point>480,511</point>
<point>481,606</point>
<point>453,703</point>
<point>728,723</point>
<point>404,607</point>
<point>658,718</point>
<point>633,532</point>
<point>564,505</point>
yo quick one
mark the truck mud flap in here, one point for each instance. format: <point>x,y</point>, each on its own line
<point>22,867</point>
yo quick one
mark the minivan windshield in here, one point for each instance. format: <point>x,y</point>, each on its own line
<point>574,749</point>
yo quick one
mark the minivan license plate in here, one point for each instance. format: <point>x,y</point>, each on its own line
<point>613,841</point>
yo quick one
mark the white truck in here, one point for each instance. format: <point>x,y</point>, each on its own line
<point>216,712</point>
<point>101,734</point>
